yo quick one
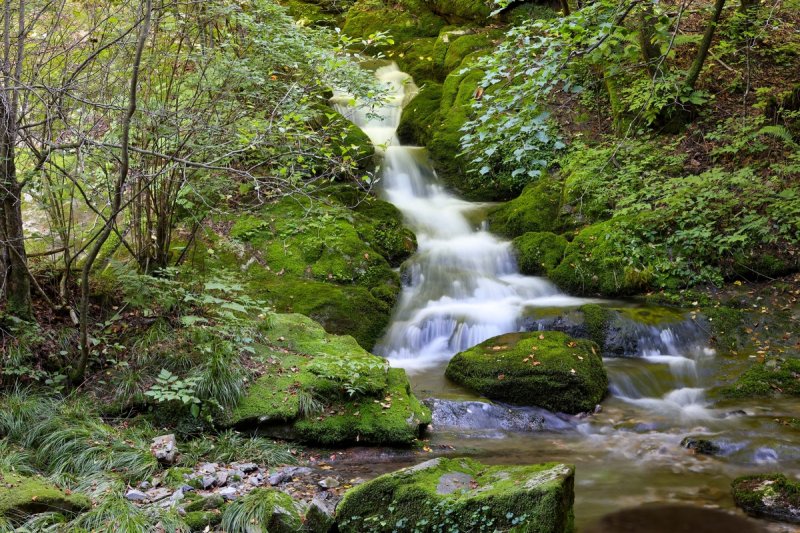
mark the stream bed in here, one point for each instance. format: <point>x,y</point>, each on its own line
<point>463,287</point>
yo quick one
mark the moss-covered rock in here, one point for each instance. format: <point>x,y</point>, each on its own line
<point>462,495</point>
<point>310,13</point>
<point>320,258</point>
<point>770,496</point>
<point>200,520</point>
<point>21,496</point>
<point>267,510</point>
<point>534,210</point>
<point>403,20</point>
<point>453,46</point>
<point>766,378</point>
<point>420,116</point>
<point>546,369</point>
<point>455,10</point>
<point>326,389</point>
<point>595,263</point>
<point>415,57</point>
<point>539,252</point>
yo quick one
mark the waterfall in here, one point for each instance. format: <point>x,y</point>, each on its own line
<point>464,283</point>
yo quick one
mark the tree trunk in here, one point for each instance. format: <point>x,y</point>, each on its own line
<point>705,45</point>
<point>116,202</point>
<point>650,52</point>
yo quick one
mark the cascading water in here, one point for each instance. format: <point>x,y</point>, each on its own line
<point>462,287</point>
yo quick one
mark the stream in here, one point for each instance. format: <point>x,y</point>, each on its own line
<point>463,287</point>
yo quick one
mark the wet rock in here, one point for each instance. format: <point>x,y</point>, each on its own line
<point>533,497</point>
<point>165,449</point>
<point>701,446</point>
<point>546,369</point>
<point>228,493</point>
<point>473,415</point>
<point>771,496</point>
<point>134,495</point>
<point>320,514</point>
<point>329,483</point>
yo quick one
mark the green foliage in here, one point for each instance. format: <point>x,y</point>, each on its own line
<point>261,511</point>
<point>231,446</point>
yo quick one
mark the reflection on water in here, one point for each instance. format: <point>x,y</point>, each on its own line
<point>463,287</point>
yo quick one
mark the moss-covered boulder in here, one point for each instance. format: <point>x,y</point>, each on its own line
<point>546,369</point>
<point>456,10</point>
<point>534,210</point>
<point>766,378</point>
<point>320,258</point>
<point>420,116</point>
<point>770,496</point>
<point>326,389</point>
<point>595,263</point>
<point>21,496</point>
<point>454,45</point>
<point>264,510</point>
<point>539,252</point>
<point>462,495</point>
<point>403,20</point>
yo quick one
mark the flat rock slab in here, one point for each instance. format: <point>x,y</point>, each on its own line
<point>450,483</point>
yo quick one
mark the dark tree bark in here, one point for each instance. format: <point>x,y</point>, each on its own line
<point>705,45</point>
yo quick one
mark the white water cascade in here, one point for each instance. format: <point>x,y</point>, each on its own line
<point>463,285</point>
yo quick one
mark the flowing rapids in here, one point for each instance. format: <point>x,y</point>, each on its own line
<point>463,286</point>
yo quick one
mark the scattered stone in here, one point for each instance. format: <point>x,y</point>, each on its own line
<point>222,478</point>
<point>701,446</point>
<point>158,494</point>
<point>228,493</point>
<point>245,467</point>
<point>186,488</point>
<point>165,449</point>
<point>770,496</point>
<point>134,495</point>
<point>144,485</point>
<point>278,477</point>
<point>329,483</point>
<point>534,497</point>
<point>207,482</point>
<point>256,480</point>
<point>209,468</point>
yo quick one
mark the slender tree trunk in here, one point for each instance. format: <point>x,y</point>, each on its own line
<point>565,7</point>
<point>650,52</point>
<point>705,45</point>
<point>116,202</point>
<point>15,262</point>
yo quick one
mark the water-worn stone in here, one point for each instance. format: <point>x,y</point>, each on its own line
<point>228,493</point>
<point>479,416</point>
<point>135,495</point>
<point>771,496</point>
<point>165,449</point>
<point>701,445</point>
<point>207,482</point>
<point>546,369</point>
<point>329,483</point>
<point>463,494</point>
<point>670,518</point>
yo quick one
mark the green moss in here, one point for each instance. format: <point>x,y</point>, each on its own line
<point>415,57</point>
<point>462,495</point>
<point>362,400</point>
<point>768,496</point>
<point>453,47</point>
<point>547,369</point>
<point>420,116</point>
<point>535,210</point>
<point>381,226</point>
<point>461,9</point>
<point>539,252</point>
<point>310,14</point>
<point>764,379</point>
<point>200,520</point>
<point>403,20</point>
<point>595,263</point>
<point>210,503</point>
<point>652,316</point>
<point>596,320</point>
<point>727,326</point>
<point>21,496</point>
<point>395,417</point>
<point>174,477</point>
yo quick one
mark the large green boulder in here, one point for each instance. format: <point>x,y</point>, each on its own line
<point>595,262</point>
<point>462,495</point>
<point>457,10</point>
<point>21,496</point>
<point>536,209</point>
<point>420,116</point>
<point>402,20</point>
<point>546,369</point>
<point>326,389</point>
<point>539,252</point>
<point>770,496</point>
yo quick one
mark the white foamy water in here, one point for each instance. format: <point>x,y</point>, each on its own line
<point>464,284</point>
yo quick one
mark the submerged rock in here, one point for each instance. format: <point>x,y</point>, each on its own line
<point>23,495</point>
<point>545,369</point>
<point>770,496</point>
<point>472,415</point>
<point>701,446</point>
<point>670,518</point>
<point>462,495</point>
